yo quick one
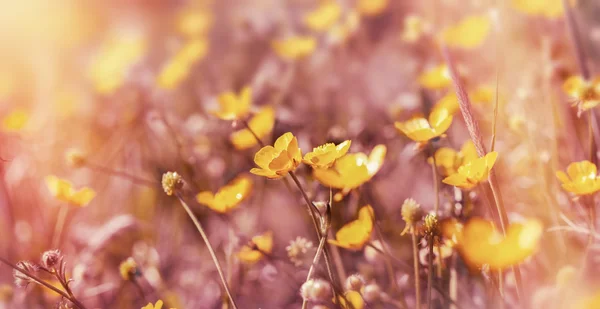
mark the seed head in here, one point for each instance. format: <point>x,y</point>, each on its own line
<point>129,269</point>
<point>316,290</point>
<point>299,251</point>
<point>372,292</point>
<point>171,182</point>
<point>411,211</point>
<point>355,283</point>
<point>51,258</point>
<point>21,279</point>
<point>432,227</point>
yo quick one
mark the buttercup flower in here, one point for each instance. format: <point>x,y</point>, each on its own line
<point>325,155</point>
<point>355,234</point>
<point>278,160</point>
<point>234,106</point>
<point>472,172</point>
<point>479,243</point>
<point>468,33</point>
<point>421,130</point>
<point>15,121</point>
<point>228,197</point>
<point>449,160</point>
<point>581,178</point>
<point>372,7</point>
<point>545,8</point>
<point>258,247</point>
<point>352,170</point>
<point>63,190</point>
<point>585,94</point>
<point>177,69</point>
<point>158,305</point>
<point>261,124</point>
<point>194,22</point>
<point>324,17</point>
<point>353,297</point>
<point>294,48</point>
<point>436,78</point>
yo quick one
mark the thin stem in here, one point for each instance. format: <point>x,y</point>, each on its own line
<point>430,274</point>
<point>416,266</point>
<point>60,223</point>
<point>315,262</point>
<point>44,283</point>
<point>436,188</point>
<point>453,285</point>
<point>247,125</point>
<point>132,178</point>
<point>209,247</point>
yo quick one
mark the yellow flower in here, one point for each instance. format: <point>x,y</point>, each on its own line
<point>355,234</point>
<point>259,246</point>
<point>276,162</point>
<point>589,302</point>
<point>468,33</point>
<point>546,8</point>
<point>295,47</point>
<point>63,190</point>
<point>228,197</point>
<point>325,155</point>
<point>261,124</point>
<point>420,129</point>
<point>582,178</point>
<point>129,269</point>
<point>372,7</point>
<point>473,172</point>
<point>194,23</point>
<point>435,78</point>
<point>353,297</point>
<point>234,106</point>
<point>177,69</point>
<point>324,17</point>
<point>414,28</point>
<point>585,94</point>
<point>158,305</point>
<point>15,121</point>
<point>109,69</point>
<point>352,170</point>
<point>449,160</point>
<point>479,243</point>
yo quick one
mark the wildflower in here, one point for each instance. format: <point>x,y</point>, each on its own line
<point>294,48</point>
<point>234,106</point>
<point>63,190</point>
<point>316,290</point>
<point>354,299</point>
<point>129,269</point>
<point>449,160</point>
<point>51,258</point>
<point>324,17</point>
<point>431,225</point>
<point>355,234</point>
<point>278,160</point>
<point>158,305</point>
<point>480,243</point>
<point>325,155</point>
<point>171,182</point>
<point>177,69</point>
<point>435,78</point>
<point>586,94</point>
<point>468,33</point>
<point>472,172</point>
<point>581,178</point>
<point>352,170</point>
<point>545,8</point>
<point>343,30</point>
<point>76,158</point>
<point>194,23</point>
<point>109,69</point>
<point>298,251</point>
<point>261,124</point>
<point>422,130</point>
<point>15,121</point>
<point>21,279</point>
<point>411,214</point>
<point>228,197</point>
<point>259,246</point>
<point>355,283</point>
<point>372,7</point>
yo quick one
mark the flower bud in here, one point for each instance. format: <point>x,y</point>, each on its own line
<point>372,293</point>
<point>355,283</point>
<point>316,290</point>
<point>171,182</point>
<point>51,258</point>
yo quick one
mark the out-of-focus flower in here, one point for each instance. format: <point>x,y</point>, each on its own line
<point>411,214</point>
<point>234,106</point>
<point>372,7</point>
<point>323,17</point>
<point>435,78</point>
<point>589,302</point>
<point>298,251</point>
<point>354,299</point>
<point>414,28</point>
<point>15,121</point>
<point>317,290</point>
<point>442,250</point>
<point>177,69</point>
<point>129,269</point>
<point>352,170</point>
<point>422,130</point>
<point>343,30</point>
<point>325,155</point>
<point>109,69</point>
<point>259,246</point>
<point>294,48</point>
<point>479,243</point>
<point>449,160</point>
<point>483,94</point>
<point>278,160</point>
<point>581,178</point>
<point>545,8</point>
<point>468,33</point>
<point>585,94</point>
<point>194,23</point>
<point>261,124</point>
<point>63,190</point>
<point>355,283</point>
<point>171,182</point>
<point>6,293</point>
<point>75,158</point>
<point>21,279</point>
<point>472,172</point>
<point>228,197</point>
<point>158,305</point>
<point>355,234</point>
